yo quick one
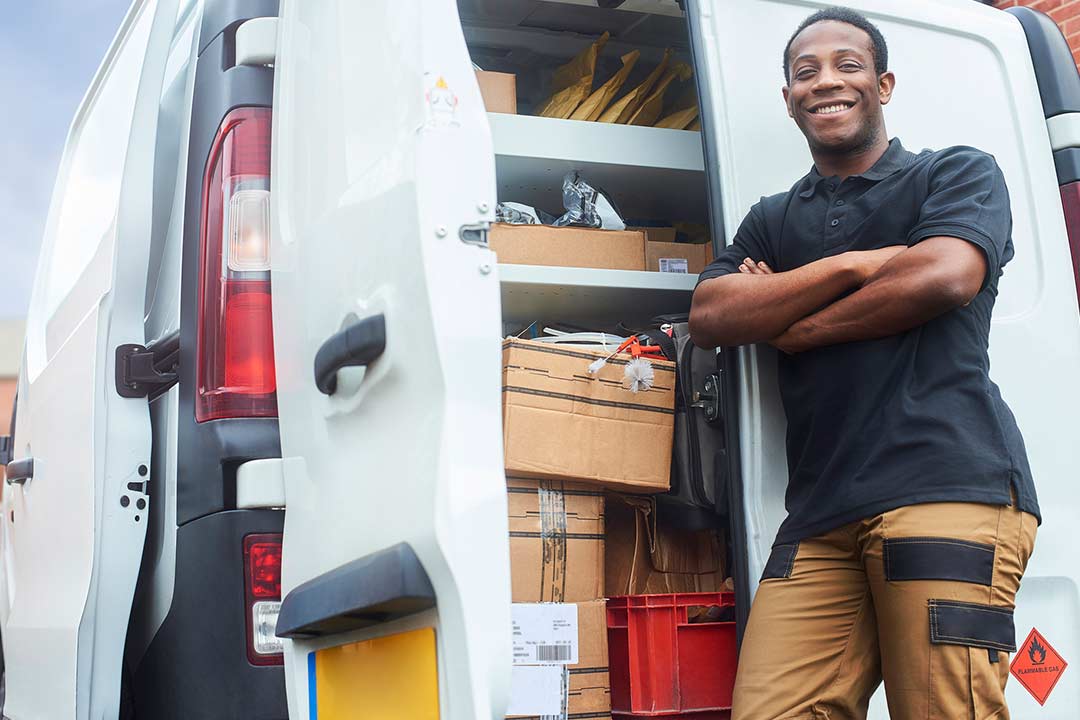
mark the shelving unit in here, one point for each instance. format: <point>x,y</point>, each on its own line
<point>649,172</point>
<point>591,297</point>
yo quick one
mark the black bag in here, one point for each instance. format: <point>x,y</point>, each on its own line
<point>699,453</point>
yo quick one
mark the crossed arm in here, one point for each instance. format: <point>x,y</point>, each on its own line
<point>896,289</point>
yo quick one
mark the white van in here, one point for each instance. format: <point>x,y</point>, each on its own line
<point>253,198</point>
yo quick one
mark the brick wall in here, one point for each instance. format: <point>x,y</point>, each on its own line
<point>1066,14</point>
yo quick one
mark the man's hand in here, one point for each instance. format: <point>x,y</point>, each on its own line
<point>937,275</point>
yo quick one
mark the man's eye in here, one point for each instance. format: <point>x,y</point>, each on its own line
<point>851,67</point>
<point>804,73</point>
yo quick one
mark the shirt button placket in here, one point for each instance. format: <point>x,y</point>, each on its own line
<point>834,217</point>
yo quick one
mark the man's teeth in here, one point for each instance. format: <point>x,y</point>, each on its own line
<point>830,109</point>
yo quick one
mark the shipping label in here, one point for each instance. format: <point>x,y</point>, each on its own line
<point>545,633</point>
<point>674,265</point>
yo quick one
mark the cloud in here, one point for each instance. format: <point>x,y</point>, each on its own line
<point>49,52</point>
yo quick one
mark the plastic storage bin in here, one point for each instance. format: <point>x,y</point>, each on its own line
<point>663,665</point>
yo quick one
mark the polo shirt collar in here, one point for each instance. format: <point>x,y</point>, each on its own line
<point>895,158</point>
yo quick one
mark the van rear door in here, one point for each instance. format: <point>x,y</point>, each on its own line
<point>75,507</point>
<point>395,567</point>
<point>964,77</point>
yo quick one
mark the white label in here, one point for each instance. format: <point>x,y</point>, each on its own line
<point>675,265</point>
<point>536,690</point>
<point>545,633</point>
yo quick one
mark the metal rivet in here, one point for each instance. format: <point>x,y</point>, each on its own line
<point>124,501</point>
<point>440,231</point>
<point>142,470</point>
<point>482,207</point>
<point>140,504</point>
<point>485,268</point>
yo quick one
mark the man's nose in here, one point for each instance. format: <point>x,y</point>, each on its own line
<point>827,80</point>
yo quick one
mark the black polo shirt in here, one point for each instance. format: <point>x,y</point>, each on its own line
<point>912,418</point>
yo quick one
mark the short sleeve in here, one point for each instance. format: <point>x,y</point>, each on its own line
<point>967,198</point>
<point>751,241</point>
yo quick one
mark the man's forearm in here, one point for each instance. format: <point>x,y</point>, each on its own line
<point>915,287</point>
<point>741,309</point>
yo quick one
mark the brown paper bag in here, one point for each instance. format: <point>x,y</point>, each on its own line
<point>621,110</point>
<point>595,104</point>
<point>679,119</point>
<point>571,83</point>
<point>695,126</point>
<point>649,111</point>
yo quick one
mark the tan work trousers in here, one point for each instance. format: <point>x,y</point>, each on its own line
<point>921,597</point>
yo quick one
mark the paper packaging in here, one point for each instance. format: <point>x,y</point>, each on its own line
<point>583,691</point>
<point>572,82</point>
<point>561,422</point>
<point>645,555</point>
<point>677,257</point>
<point>499,91</point>
<point>556,541</point>
<point>567,246</point>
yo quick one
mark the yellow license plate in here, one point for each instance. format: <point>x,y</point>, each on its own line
<point>388,678</point>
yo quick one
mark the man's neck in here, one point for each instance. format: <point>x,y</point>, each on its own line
<point>850,163</point>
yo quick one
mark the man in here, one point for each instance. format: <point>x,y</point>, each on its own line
<point>911,507</point>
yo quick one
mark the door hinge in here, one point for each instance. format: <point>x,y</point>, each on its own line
<point>710,398</point>
<point>148,371</point>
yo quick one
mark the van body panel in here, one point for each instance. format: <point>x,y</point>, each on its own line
<point>964,76</point>
<point>382,156</point>
<point>77,526</point>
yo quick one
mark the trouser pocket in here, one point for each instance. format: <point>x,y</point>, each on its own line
<point>969,646</point>
<point>781,562</point>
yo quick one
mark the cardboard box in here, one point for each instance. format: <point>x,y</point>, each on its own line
<point>677,257</point>
<point>561,422</point>
<point>499,91</point>
<point>586,686</point>
<point>646,555</point>
<point>568,246</point>
<point>657,234</point>
<point>556,541</point>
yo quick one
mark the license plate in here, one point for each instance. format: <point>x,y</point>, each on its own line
<point>390,678</point>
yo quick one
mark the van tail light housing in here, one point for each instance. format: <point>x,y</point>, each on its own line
<point>1070,201</point>
<point>262,597</point>
<point>235,375</point>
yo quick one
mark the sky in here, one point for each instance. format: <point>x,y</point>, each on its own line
<point>49,51</point>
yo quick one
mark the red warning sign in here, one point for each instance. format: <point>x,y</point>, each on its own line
<point>1037,666</point>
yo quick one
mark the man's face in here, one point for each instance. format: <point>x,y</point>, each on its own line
<point>834,95</point>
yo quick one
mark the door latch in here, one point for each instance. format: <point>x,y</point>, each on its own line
<point>148,371</point>
<point>709,398</point>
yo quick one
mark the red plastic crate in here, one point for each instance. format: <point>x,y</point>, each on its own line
<point>661,665</point>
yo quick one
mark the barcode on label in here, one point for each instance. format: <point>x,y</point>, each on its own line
<point>674,265</point>
<point>553,653</point>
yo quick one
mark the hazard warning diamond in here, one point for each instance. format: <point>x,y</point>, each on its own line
<point>1037,666</point>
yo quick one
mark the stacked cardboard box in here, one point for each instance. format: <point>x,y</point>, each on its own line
<point>569,435</point>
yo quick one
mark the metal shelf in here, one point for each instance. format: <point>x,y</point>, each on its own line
<point>651,173</point>
<point>590,297</point>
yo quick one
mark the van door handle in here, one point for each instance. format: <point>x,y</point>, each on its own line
<point>19,471</point>
<point>358,345</point>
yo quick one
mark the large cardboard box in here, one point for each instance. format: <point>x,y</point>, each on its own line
<point>585,686</point>
<point>556,541</point>
<point>499,91</point>
<point>568,246</point>
<point>561,422</point>
<point>677,257</point>
<point>647,555</point>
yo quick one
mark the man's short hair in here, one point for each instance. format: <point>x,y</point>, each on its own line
<point>849,16</point>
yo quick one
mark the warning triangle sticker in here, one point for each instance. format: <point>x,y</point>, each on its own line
<point>1037,666</point>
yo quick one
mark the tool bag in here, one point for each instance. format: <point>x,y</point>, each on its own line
<point>699,460</point>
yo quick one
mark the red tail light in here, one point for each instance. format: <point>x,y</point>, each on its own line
<point>235,375</point>
<point>1070,201</point>
<point>262,597</point>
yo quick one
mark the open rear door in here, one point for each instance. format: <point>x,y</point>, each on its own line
<point>395,569</point>
<point>754,149</point>
<point>75,507</point>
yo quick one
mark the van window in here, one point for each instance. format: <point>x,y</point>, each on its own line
<point>91,185</point>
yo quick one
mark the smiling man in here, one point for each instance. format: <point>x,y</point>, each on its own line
<point>911,508</point>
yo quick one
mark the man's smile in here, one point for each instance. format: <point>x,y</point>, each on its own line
<point>834,107</point>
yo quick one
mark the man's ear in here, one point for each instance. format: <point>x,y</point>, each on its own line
<point>886,83</point>
<point>787,101</point>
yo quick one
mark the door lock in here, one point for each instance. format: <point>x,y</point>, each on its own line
<point>709,398</point>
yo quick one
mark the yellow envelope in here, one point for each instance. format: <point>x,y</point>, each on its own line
<point>572,82</point>
<point>627,105</point>
<point>679,119</point>
<point>649,111</point>
<point>696,125</point>
<point>594,105</point>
